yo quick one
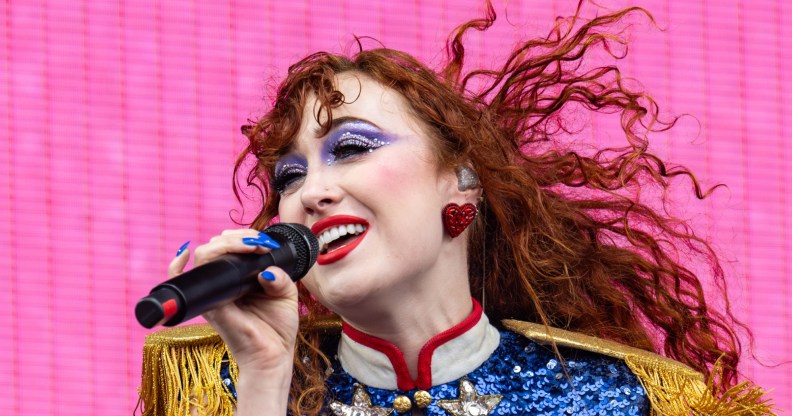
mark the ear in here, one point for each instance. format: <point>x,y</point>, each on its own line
<point>464,186</point>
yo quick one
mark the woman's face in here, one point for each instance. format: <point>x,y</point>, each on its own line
<point>372,192</point>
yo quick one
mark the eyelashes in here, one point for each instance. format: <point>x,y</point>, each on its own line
<point>345,147</point>
<point>351,144</point>
<point>287,175</point>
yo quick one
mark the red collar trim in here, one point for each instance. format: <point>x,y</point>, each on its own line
<point>396,357</point>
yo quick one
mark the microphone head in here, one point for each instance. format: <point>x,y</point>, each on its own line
<point>305,243</point>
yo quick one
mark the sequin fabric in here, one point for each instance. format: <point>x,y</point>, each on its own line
<point>531,380</point>
<point>225,375</point>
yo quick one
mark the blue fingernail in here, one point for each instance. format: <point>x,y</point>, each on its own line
<point>182,248</point>
<point>268,276</point>
<point>267,241</point>
<point>262,240</point>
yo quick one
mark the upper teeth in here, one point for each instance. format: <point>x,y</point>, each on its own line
<point>334,233</point>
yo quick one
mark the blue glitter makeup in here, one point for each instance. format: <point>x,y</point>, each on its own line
<point>349,139</point>
<point>288,171</point>
<point>353,138</point>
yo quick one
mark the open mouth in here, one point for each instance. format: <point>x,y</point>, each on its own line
<point>339,236</point>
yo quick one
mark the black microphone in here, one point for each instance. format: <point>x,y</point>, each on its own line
<point>228,278</point>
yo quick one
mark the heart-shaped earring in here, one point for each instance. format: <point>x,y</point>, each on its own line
<point>457,218</point>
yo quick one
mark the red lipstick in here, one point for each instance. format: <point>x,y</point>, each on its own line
<point>340,252</point>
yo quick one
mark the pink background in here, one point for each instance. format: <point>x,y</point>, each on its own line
<point>121,123</point>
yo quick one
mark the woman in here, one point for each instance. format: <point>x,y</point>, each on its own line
<point>441,213</point>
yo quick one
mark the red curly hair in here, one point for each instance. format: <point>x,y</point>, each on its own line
<point>561,238</point>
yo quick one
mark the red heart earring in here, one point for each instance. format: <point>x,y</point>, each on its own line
<point>456,218</point>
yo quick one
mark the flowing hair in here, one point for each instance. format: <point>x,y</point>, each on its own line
<point>562,238</point>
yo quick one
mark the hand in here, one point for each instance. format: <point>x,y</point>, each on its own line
<point>260,329</point>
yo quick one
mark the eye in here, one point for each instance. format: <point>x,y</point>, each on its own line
<point>350,144</point>
<point>287,176</point>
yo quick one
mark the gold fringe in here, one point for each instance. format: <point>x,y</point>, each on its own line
<point>181,371</point>
<point>675,394</point>
<point>184,362</point>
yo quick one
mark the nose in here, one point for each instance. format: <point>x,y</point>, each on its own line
<point>319,191</point>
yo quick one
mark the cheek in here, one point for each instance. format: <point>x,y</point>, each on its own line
<point>409,204</point>
<point>395,179</point>
<point>290,209</point>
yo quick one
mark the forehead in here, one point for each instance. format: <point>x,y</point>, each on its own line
<point>366,99</point>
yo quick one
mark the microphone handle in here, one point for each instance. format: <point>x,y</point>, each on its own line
<point>213,284</point>
<point>210,285</point>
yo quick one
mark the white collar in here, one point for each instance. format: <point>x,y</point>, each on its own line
<point>446,357</point>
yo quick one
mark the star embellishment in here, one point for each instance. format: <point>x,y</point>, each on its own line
<point>361,405</point>
<point>469,402</point>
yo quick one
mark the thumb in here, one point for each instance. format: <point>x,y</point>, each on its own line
<point>276,283</point>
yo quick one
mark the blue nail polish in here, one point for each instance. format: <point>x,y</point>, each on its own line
<point>268,276</point>
<point>182,248</point>
<point>262,240</point>
<point>267,241</point>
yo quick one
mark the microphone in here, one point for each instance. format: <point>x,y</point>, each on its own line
<point>227,278</point>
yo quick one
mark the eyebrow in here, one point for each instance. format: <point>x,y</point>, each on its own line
<point>340,121</point>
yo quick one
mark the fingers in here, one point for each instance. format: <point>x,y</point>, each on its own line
<point>259,318</point>
<point>229,241</point>
<point>176,266</point>
<point>234,241</point>
<point>276,283</point>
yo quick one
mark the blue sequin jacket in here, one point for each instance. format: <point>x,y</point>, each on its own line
<point>471,369</point>
<point>527,378</point>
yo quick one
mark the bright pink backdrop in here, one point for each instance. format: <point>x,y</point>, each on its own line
<point>121,123</point>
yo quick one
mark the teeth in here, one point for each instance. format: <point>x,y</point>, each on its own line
<point>334,233</point>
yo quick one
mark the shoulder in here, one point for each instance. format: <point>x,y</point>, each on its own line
<point>193,359</point>
<point>671,387</point>
<point>635,358</point>
<point>185,360</point>
<point>564,379</point>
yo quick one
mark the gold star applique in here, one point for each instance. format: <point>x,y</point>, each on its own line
<point>361,405</point>
<point>469,402</point>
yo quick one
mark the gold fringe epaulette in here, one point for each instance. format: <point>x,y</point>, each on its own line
<point>181,370</point>
<point>673,388</point>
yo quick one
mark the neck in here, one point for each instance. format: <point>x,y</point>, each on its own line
<point>446,357</point>
<point>410,316</point>
<point>411,334</point>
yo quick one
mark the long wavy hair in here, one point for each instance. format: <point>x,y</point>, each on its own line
<point>562,237</point>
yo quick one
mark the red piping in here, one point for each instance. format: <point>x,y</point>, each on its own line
<point>403,379</point>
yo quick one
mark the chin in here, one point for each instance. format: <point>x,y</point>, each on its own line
<point>350,295</point>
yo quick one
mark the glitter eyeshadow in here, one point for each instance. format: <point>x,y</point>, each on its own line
<point>290,166</point>
<point>351,138</point>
